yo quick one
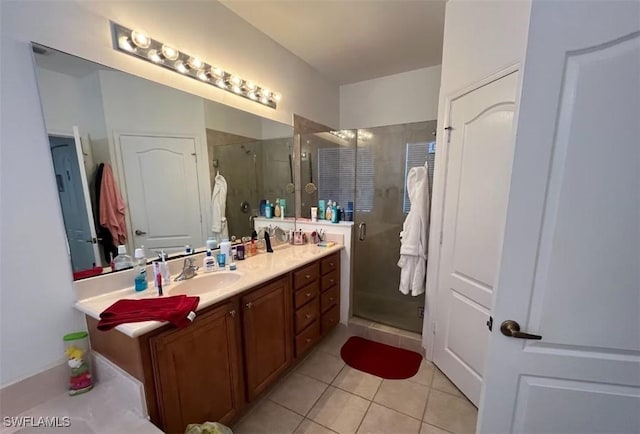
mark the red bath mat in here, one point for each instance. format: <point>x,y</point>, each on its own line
<point>379,359</point>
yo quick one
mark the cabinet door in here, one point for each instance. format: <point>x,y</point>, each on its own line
<point>197,370</point>
<point>267,323</point>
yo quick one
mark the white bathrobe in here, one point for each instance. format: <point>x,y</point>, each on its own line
<point>219,227</point>
<point>415,232</point>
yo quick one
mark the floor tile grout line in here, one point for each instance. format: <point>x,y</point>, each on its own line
<point>368,408</point>
<point>426,404</point>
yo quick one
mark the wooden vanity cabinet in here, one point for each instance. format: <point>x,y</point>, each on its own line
<point>232,352</point>
<point>197,370</point>
<point>266,319</point>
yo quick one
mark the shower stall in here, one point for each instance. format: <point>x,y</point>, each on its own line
<point>369,168</point>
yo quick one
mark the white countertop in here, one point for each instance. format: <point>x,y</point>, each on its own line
<point>254,271</point>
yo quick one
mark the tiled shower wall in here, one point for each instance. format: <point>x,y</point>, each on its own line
<point>254,170</point>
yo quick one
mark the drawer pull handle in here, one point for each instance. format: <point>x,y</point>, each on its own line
<point>233,313</point>
<point>308,340</point>
<point>331,280</point>
<point>308,294</point>
<point>331,298</point>
<point>308,315</point>
<point>331,264</point>
<point>307,276</point>
<point>249,305</point>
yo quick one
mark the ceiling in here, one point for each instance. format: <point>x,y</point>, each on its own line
<point>350,40</point>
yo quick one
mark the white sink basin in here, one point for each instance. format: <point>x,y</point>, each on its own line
<point>206,283</point>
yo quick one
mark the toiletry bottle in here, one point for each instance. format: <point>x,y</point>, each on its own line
<point>208,262</point>
<point>225,247</point>
<point>267,210</point>
<point>164,268</point>
<point>140,279</point>
<point>254,248</point>
<point>277,209</point>
<point>321,210</point>
<point>122,261</point>
<point>335,214</point>
<point>327,214</point>
<point>283,205</point>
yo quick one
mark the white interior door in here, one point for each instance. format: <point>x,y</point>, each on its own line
<point>480,153</point>
<point>161,179</point>
<point>571,254</point>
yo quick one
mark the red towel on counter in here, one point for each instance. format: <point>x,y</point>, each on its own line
<point>177,310</point>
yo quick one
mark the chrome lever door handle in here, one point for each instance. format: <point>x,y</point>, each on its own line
<point>363,231</point>
<point>139,232</point>
<point>511,329</point>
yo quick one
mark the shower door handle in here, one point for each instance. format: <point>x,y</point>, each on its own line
<point>363,231</point>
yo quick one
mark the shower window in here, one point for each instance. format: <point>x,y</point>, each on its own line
<point>337,173</point>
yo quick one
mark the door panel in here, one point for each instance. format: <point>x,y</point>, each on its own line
<point>267,324</point>
<point>480,152</point>
<point>162,191</point>
<point>198,371</point>
<point>380,189</point>
<point>72,202</point>
<point>569,270</point>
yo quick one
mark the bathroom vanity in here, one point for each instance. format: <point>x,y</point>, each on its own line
<point>246,335</point>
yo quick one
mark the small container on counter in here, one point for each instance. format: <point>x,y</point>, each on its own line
<point>222,259</point>
<point>240,252</point>
<point>76,348</point>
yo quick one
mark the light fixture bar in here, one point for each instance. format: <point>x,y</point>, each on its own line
<point>138,44</point>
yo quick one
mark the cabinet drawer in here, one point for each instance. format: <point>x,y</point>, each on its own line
<point>330,280</point>
<point>307,338</point>
<point>307,314</point>
<point>330,319</point>
<point>306,294</point>
<point>330,263</point>
<point>306,275</point>
<point>329,298</point>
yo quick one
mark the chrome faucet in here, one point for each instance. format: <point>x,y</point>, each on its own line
<point>188,270</point>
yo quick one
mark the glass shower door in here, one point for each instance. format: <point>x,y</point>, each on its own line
<point>383,155</point>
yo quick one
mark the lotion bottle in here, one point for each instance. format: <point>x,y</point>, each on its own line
<point>327,215</point>
<point>277,210</point>
<point>208,262</point>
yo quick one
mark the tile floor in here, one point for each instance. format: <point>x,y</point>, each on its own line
<point>322,395</point>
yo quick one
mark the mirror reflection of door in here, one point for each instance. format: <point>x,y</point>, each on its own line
<point>73,202</point>
<point>161,178</point>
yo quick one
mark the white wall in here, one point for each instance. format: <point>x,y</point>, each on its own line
<point>481,38</point>
<point>395,99</point>
<point>219,118</point>
<point>36,297</point>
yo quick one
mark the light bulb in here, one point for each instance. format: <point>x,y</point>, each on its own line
<point>264,100</point>
<point>195,63</point>
<point>266,93</point>
<point>252,95</point>
<point>202,75</point>
<point>125,43</point>
<point>250,85</point>
<point>217,72</point>
<point>169,52</point>
<point>236,89</point>
<point>140,38</point>
<point>181,67</point>
<point>221,84</point>
<point>154,56</point>
<point>235,80</point>
<point>277,96</point>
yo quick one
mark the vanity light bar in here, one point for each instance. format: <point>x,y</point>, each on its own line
<point>138,44</point>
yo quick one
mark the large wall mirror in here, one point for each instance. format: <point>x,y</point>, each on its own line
<point>137,163</point>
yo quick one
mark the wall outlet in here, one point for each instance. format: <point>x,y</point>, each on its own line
<point>420,311</point>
